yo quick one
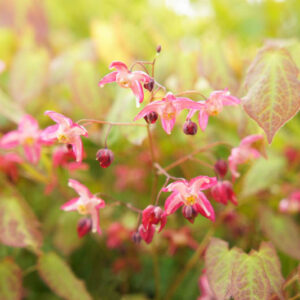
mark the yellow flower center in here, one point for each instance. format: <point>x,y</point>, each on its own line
<point>124,82</point>
<point>82,209</point>
<point>62,139</point>
<point>214,112</point>
<point>29,141</point>
<point>190,200</point>
<point>168,115</point>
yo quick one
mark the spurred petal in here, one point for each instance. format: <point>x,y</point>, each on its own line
<point>248,140</point>
<point>137,89</point>
<point>179,186</point>
<point>95,221</point>
<point>168,124</point>
<point>173,202</point>
<point>79,130</point>
<point>78,148</point>
<point>28,123</point>
<point>118,65</point>
<point>181,103</point>
<point>79,188</point>
<point>163,222</point>
<point>147,235</point>
<point>156,106</point>
<point>141,76</point>
<point>101,202</point>
<point>32,153</point>
<point>70,205</point>
<point>203,119</point>
<point>204,207</point>
<point>202,183</point>
<point>59,118</point>
<point>10,140</point>
<point>111,77</point>
<point>50,133</point>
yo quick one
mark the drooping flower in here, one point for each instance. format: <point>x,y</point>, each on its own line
<point>127,79</point>
<point>147,234</point>
<point>105,157</point>
<point>8,165</point>
<point>223,192</point>
<point>213,106</point>
<point>65,157</point>
<point>153,215</point>
<point>205,289</point>
<point>189,194</point>
<point>117,234</point>
<point>247,150</point>
<point>66,132</point>
<point>291,204</point>
<point>179,238</point>
<point>28,135</point>
<point>168,108</point>
<point>85,204</point>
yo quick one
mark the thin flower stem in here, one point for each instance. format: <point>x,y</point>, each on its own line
<point>106,136</point>
<point>142,64</point>
<point>190,92</point>
<point>159,193</point>
<point>90,121</point>
<point>292,279</point>
<point>29,270</point>
<point>161,170</point>
<point>295,297</point>
<point>187,157</point>
<point>201,162</point>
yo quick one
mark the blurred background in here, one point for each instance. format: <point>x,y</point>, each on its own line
<point>52,55</point>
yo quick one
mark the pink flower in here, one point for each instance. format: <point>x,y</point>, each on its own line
<point>127,79</point>
<point>290,204</point>
<point>168,108</point>
<point>244,152</point>
<point>188,193</point>
<point>147,234</point>
<point>152,215</point>
<point>8,165</point>
<point>213,106</point>
<point>206,291</point>
<point>65,157</point>
<point>117,234</point>
<point>28,136</point>
<point>179,238</point>
<point>66,132</point>
<point>85,204</point>
<point>223,192</point>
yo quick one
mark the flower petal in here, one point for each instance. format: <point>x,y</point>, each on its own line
<point>32,153</point>
<point>137,90</point>
<point>250,139</point>
<point>78,148</point>
<point>140,76</point>
<point>82,190</point>
<point>70,205</point>
<point>202,183</point>
<point>28,123</point>
<point>10,139</point>
<point>181,103</point>
<point>49,134</point>
<point>173,202</point>
<point>111,77</point>
<point>95,221</point>
<point>119,66</point>
<point>156,106</point>
<point>204,207</point>
<point>179,186</point>
<point>59,118</point>
<point>168,124</point>
<point>203,119</point>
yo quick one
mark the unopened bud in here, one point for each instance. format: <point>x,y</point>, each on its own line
<point>151,117</point>
<point>136,237</point>
<point>149,85</point>
<point>105,157</point>
<point>190,128</point>
<point>221,168</point>
<point>84,226</point>
<point>189,213</point>
<point>158,48</point>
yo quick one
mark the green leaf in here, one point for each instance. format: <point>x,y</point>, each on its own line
<point>19,226</point>
<point>59,277</point>
<point>219,264</point>
<point>282,231</point>
<point>28,74</point>
<point>10,280</point>
<point>263,174</point>
<point>272,89</point>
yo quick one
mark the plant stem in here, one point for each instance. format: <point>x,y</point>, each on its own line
<point>295,297</point>
<point>90,121</point>
<point>191,92</point>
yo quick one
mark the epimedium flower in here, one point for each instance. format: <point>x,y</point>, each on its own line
<point>146,234</point>
<point>189,195</point>
<point>28,135</point>
<point>247,150</point>
<point>66,132</point>
<point>223,192</point>
<point>153,215</point>
<point>168,108</point>
<point>127,79</point>
<point>85,204</point>
<point>213,106</point>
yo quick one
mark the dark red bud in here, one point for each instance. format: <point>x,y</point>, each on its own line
<point>84,226</point>
<point>105,157</point>
<point>158,48</point>
<point>151,117</point>
<point>189,213</point>
<point>136,237</point>
<point>190,128</point>
<point>69,147</point>
<point>149,85</point>
<point>221,168</point>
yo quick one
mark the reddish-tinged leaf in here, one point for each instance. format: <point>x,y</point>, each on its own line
<point>59,277</point>
<point>219,264</point>
<point>273,90</point>
<point>10,280</point>
<point>19,226</point>
<point>282,231</point>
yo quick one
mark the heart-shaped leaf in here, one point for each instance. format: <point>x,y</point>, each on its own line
<point>272,89</point>
<point>59,277</point>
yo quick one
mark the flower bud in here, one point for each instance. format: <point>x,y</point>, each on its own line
<point>136,237</point>
<point>84,226</point>
<point>149,85</point>
<point>190,128</point>
<point>151,117</point>
<point>189,213</point>
<point>105,157</point>
<point>221,168</point>
<point>223,191</point>
<point>158,49</point>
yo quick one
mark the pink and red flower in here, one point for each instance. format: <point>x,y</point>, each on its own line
<point>244,152</point>
<point>223,192</point>
<point>127,79</point>
<point>213,106</point>
<point>168,108</point>
<point>85,204</point>
<point>8,165</point>
<point>66,132</point>
<point>189,194</point>
<point>28,135</point>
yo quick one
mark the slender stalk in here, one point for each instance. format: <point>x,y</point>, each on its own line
<point>163,171</point>
<point>191,92</point>
<point>295,297</point>
<point>292,278</point>
<point>201,162</point>
<point>106,136</point>
<point>159,193</point>
<point>91,121</point>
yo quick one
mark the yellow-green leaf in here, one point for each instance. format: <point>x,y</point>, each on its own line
<point>60,278</point>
